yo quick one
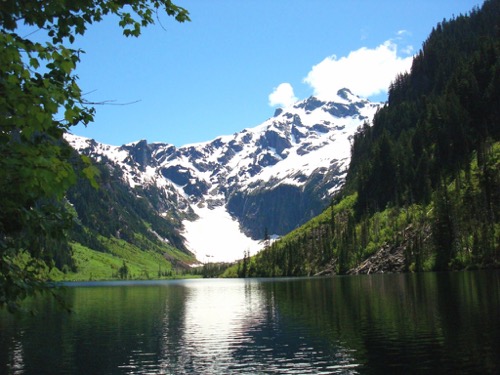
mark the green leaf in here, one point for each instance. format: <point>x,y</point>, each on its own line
<point>91,173</point>
<point>69,115</point>
<point>67,66</point>
<point>34,63</point>
<point>41,117</point>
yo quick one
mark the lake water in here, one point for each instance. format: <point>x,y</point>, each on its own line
<point>445,323</point>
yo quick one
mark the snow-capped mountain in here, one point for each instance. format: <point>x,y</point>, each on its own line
<point>267,179</point>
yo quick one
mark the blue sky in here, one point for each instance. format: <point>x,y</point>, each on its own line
<point>236,61</point>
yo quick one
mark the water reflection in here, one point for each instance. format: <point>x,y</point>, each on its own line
<point>433,323</point>
<point>15,362</point>
<point>235,327</point>
<point>217,315</point>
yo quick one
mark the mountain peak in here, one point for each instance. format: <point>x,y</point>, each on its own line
<point>301,154</point>
<point>345,93</point>
<point>310,104</point>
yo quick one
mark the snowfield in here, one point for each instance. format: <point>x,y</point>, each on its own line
<point>216,236</point>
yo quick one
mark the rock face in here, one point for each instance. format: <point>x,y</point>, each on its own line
<point>272,177</point>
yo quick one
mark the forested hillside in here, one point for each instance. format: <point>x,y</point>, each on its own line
<point>114,231</point>
<point>116,226</point>
<point>115,209</point>
<point>423,187</point>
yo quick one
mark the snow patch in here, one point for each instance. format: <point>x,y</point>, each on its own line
<point>216,236</point>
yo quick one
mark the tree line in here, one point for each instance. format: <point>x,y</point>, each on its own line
<point>426,172</point>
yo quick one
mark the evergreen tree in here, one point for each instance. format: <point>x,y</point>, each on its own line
<point>442,229</point>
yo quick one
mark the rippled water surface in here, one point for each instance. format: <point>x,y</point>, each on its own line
<point>380,324</point>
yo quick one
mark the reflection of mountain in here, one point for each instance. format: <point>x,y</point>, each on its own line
<point>238,326</point>
<point>286,341</point>
<point>367,324</point>
<point>217,320</point>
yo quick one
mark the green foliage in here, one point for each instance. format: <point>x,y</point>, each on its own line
<point>39,101</point>
<point>436,117</point>
<point>150,263</point>
<point>424,180</point>
<point>212,270</point>
<point>458,229</point>
<point>117,210</point>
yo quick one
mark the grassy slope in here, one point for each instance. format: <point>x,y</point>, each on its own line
<point>142,264</point>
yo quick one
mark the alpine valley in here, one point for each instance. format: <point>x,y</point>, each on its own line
<point>219,199</point>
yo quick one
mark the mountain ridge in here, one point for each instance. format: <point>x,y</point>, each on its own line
<point>269,178</point>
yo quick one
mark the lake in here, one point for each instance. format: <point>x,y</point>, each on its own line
<point>441,323</point>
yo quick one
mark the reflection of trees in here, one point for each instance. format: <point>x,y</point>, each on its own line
<point>401,321</point>
<point>405,323</point>
<point>281,341</point>
<point>118,326</point>
<point>108,327</point>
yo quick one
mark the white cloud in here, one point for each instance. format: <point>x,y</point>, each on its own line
<point>365,71</point>
<point>401,38</point>
<point>282,96</point>
<point>408,50</point>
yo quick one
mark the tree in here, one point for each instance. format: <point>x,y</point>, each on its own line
<point>39,101</point>
<point>123,271</point>
<point>267,238</point>
<point>442,228</point>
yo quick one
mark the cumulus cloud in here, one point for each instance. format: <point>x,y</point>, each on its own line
<point>282,96</point>
<point>365,72</point>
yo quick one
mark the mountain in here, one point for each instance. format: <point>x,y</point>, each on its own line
<point>232,191</point>
<point>423,188</point>
<point>117,231</point>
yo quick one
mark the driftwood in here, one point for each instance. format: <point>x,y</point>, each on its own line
<point>390,258</point>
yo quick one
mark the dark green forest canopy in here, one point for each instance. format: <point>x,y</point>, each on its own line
<point>423,186</point>
<point>437,116</point>
<point>39,101</point>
